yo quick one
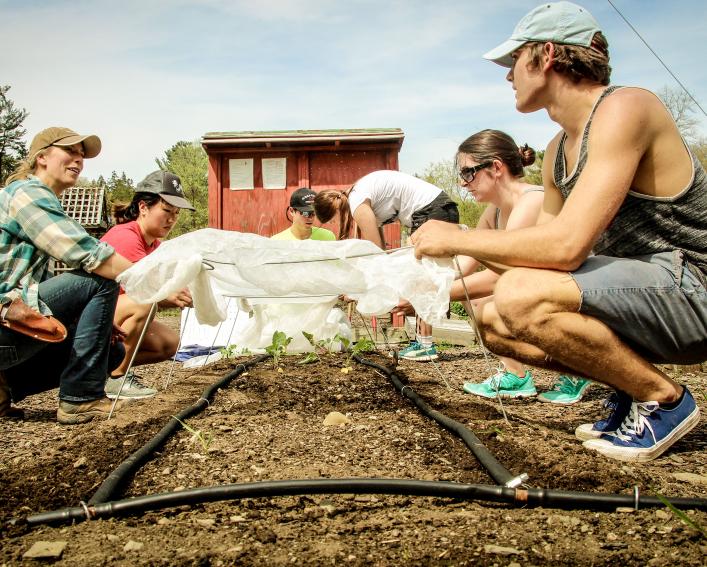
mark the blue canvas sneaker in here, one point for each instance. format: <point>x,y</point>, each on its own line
<point>567,390</point>
<point>648,430</point>
<point>618,404</point>
<point>504,384</point>
<point>418,352</point>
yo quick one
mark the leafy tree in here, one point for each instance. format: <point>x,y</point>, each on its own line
<point>188,160</point>
<point>119,188</point>
<point>534,173</point>
<point>12,148</point>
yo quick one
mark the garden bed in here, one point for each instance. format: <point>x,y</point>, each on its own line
<point>269,425</point>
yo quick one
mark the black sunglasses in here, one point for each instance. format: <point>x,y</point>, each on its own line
<point>305,214</point>
<point>468,173</point>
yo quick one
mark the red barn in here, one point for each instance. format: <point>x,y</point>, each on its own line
<point>253,174</point>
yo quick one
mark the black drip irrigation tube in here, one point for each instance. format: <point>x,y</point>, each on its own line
<point>520,497</point>
<point>120,475</point>
<point>98,507</point>
<point>498,472</point>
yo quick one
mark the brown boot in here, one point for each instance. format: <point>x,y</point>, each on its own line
<point>71,413</point>
<point>6,409</point>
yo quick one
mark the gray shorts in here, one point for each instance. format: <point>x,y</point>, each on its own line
<point>657,303</point>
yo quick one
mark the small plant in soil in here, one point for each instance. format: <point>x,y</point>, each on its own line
<point>680,514</point>
<point>231,351</point>
<point>204,438</point>
<point>360,346</point>
<point>278,347</point>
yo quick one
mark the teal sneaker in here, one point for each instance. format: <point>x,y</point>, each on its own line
<point>567,390</point>
<point>419,353</point>
<point>504,384</point>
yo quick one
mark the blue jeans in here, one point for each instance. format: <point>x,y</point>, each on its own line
<point>79,365</point>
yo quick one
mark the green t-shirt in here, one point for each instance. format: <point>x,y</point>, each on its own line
<point>317,234</point>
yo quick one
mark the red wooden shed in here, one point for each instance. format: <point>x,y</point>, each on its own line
<point>253,174</point>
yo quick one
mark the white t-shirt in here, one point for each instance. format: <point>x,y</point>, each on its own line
<point>393,195</point>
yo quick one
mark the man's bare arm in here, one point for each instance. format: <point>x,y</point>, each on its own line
<point>564,242</point>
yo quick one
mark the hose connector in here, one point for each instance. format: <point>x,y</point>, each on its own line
<point>516,481</point>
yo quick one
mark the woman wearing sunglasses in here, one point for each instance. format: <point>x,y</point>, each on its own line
<point>490,166</point>
<point>301,214</point>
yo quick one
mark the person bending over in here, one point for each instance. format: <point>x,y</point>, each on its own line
<point>141,225</point>
<point>34,229</point>
<point>612,279</point>
<point>380,198</point>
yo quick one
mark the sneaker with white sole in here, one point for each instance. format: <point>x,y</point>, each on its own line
<point>418,352</point>
<point>72,413</point>
<point>504,384</point>
<point>133,388</point>
<point>619,404</point>
<point>567,390</point>
<point>648,430</point>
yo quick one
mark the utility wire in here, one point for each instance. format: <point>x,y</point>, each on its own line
<point>657,57</point>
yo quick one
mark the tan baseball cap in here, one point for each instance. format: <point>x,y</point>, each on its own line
<point>58,136</point>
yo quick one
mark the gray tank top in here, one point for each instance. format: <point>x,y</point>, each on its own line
<point>645,224</point>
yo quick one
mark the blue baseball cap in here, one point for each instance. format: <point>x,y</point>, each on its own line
<point>558,22</point>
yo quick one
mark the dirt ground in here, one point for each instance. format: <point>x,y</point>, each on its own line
<point>269,425</point>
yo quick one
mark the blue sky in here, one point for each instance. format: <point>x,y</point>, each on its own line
<point>144,74</point>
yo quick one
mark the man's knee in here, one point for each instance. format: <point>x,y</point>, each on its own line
<point>526,297</point>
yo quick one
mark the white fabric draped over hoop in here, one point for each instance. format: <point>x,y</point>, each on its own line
<point>261,270</point>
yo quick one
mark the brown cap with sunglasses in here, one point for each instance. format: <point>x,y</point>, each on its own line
<point>302,200</point>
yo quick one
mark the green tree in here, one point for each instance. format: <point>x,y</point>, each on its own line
<point>12,148</point>
<point>119,188</point>
<point>534,173</point>
<point>189,161</point>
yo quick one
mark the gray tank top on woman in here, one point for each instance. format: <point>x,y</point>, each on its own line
<point>645,224</point>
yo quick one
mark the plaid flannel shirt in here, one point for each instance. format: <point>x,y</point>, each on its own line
<point>33,229</point>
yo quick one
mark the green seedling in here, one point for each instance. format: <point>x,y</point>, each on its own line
<point>362,345</point>
<point>493,430</point>
<point>204,439</point>
<point>278,347</point>
<point>680,514</point>
<point>231,351</point>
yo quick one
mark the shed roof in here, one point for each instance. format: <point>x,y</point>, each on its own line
<point>290,137</point>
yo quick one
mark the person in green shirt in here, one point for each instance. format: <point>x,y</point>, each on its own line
<point>302,217</point>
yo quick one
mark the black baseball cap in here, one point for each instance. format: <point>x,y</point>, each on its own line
<point>166,185</point>
<point>302,199</point>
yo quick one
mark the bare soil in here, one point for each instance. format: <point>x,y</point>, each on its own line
<point>269,425</point>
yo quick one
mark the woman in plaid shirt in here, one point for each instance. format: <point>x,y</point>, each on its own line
<point>33,229</point>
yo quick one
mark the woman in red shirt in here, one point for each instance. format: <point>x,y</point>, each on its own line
<point>140,226</point>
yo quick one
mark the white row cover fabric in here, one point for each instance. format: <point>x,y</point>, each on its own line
<point>215,264</point>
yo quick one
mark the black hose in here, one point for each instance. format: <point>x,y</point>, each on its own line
<point>122,472</point>
<point>499,473</point>
<point>520,497</point>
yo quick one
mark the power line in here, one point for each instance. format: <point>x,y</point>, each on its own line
<point>657,57</point>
